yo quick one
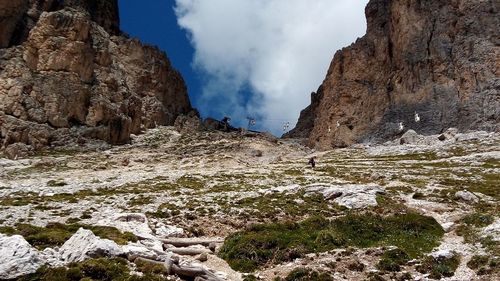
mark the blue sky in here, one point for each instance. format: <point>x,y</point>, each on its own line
<point>239,58</point>
<point>155,23</point>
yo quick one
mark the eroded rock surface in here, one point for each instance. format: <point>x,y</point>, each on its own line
<point>74,77</point>
<point>423,65</point>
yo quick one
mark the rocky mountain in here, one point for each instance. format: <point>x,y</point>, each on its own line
<point>67,74</point>
<point>423,65</point>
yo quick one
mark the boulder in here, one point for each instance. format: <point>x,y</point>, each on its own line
<point>84,245</point>
<point>350,196</point>
<point>189,123</point>
<point>17,257</point>
<point>18,150</point>
<point>410,137</point>
<point>466,196</point>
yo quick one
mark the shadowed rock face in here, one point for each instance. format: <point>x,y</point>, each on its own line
<point>437,59</point>
<point>66,74</point>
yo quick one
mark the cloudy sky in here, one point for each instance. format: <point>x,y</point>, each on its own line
<point>258,58</point>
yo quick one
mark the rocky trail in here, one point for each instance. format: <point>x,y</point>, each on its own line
<point>187,199</point>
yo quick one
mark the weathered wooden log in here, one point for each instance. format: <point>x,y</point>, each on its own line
<point>186,242</point>
<point>196,272</point>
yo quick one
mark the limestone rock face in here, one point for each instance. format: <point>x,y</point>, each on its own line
<point>18,17</point>
<point>423,65</point>
<point>74,77</point>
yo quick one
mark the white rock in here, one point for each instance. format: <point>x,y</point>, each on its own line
<point>466,196</point>
<point>492,230</point>
<point>135,249</point>
<point>447,226</point>
<point>443,254</point>
<point>84,244</point>
<point>17,257</point>
<point>350,196</point>
<point>52,257</point>
<point>165,231</point>
<point>130,222</point>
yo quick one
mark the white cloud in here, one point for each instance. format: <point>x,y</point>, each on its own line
<point>278,50</point>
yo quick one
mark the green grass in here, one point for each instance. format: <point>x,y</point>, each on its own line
<point>281,242</point>
<point>55,234</point>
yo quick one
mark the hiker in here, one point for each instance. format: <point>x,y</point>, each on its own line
<point>225,123</point>
<point>312,162</point>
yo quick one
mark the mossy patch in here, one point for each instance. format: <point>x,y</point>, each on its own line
<point>55,234</point>
<point>280,242</point>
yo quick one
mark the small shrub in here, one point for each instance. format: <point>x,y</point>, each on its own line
<point>304,274</point>
<point>478,261</point>
<point>484,264</point>
<point>56,183</point>
<point>478,219</point>
<point>439,267</point>
<point>392,260</point>
<point>418,196</point>
<point>356,266</point>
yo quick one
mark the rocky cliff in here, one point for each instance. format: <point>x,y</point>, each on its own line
<point>67,74</point>
<point>424,65</point>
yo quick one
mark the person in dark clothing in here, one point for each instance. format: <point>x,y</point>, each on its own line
<point>225,124</point>
<point>312,162</point>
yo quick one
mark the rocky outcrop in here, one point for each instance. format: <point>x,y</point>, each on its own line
<point>423,65</point>
<point>67,75</point>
